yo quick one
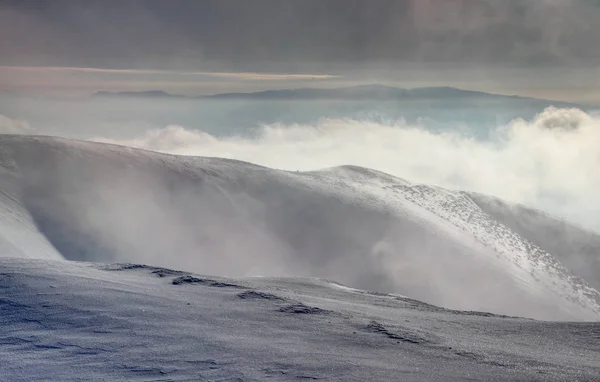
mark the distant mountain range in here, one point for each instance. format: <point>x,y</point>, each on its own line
<point>361,92</point>
<point>141,94</point>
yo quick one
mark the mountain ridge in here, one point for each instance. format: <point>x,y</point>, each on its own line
<point>109,203</point>
<point>358,92</point>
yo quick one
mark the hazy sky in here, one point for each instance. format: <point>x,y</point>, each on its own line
<point>546,48</point>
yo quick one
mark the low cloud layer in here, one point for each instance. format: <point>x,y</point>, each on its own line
<point>550,162</point>
<point>13,126</point>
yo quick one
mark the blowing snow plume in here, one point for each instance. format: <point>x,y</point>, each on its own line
<point>357,226</point>
<point>12,126</point>
<point>549,162</point>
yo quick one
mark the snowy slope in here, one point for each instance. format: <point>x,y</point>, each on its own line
<point>573,246</point>
<point>19,236</point>
<point>67,321</point>
<point>214,216</point>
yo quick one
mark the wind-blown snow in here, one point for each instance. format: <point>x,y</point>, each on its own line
<point>19,235</point>
<point>13,126</point>
<point>363,228</point>
<point>549,162</point>
<point>575,247</point>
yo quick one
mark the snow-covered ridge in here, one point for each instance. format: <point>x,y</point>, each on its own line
<point>365,229</point>
<point>524,260</point>
<point>575,247</point>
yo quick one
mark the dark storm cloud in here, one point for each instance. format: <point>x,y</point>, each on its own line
<point>289,35</point>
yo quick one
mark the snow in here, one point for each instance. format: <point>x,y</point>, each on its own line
<point>358,227</point>
<point>71,321</point>
<point>336,250</point>
<point>19,236</point>
<point>572,245</point>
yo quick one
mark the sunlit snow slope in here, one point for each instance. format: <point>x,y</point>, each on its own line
<point>222,217</point>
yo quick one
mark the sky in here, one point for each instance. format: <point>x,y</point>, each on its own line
<point>542,48</point>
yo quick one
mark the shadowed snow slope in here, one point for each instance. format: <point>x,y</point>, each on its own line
<point>67,321</point>
<point>363,228</point>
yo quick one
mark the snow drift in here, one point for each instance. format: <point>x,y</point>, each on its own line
<point>97,202</point>
<point>72,321</point>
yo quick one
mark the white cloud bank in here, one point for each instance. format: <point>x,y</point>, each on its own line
<point>551,162</point>
<point>13,126</point>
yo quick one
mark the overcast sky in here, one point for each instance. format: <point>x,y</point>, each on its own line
<point>547,48</point>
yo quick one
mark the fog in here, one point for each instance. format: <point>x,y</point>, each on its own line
<point>224,218</point>
<point>107,203</point>
<point>204,211</point>
<point>548,162</point>
<point>11,126</point>
<point>519,150</point>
